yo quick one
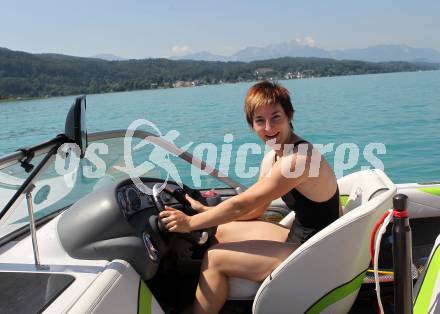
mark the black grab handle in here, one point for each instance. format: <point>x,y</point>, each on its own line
<point>402,256</point>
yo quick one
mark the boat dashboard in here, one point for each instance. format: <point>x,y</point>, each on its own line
<point>120,221</point>
<point>132,200</point>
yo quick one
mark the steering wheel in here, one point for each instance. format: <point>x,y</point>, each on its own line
<point>198,237</point>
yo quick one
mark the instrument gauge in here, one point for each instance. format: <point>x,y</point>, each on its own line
<point>133,199</point>
<point>121,200</point>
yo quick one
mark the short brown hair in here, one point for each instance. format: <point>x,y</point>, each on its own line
<point>267,93</point>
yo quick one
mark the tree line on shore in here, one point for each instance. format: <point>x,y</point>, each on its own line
<point>25,75</point>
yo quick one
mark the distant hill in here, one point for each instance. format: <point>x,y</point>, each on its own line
<point>42,75</point>
<point>108,57</point>
<point>379,53</point>
<point>202,56</point>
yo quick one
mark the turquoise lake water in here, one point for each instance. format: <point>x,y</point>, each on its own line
<point>400,110</point>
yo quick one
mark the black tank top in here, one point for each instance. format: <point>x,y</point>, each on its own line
<point>311,214</point>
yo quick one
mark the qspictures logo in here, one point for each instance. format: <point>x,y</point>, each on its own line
<point>206,157</point>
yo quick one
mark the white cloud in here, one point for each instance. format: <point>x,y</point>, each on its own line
<point>180,49</point>
<point>306,41</point>
<point>309,41</point>
<point>228,47</point>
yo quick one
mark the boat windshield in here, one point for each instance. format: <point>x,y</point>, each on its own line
<point>66,180</point>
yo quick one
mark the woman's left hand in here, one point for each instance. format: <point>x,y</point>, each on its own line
<point>174,220</point>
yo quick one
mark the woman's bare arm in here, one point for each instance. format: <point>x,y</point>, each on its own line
<point>255,213</point>
<point>265,166</point>
<point>258,210</point>
<point>270,187</point>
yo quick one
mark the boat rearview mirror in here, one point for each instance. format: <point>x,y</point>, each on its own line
<point>75,128</point>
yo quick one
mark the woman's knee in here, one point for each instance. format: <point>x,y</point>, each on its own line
<point>225,232</point>
<point>219,233</point>
<point>214,256</point>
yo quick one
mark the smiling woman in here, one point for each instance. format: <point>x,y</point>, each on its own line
<point>269,111</point>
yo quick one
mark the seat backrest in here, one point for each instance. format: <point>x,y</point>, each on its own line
<point>326,272</point>
<point>427,288</point>
<point>360,187</point>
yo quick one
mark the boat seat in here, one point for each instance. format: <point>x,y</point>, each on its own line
<point>288,220</point>
<point>427,287</point>
<point>303,281</point>
<point>118,289</point>
<point>360,188</point>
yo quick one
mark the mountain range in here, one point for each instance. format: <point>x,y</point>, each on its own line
<point>378,53</point>
<point>24,75</point>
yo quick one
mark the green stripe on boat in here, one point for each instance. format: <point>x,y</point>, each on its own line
<point>435,190</point>
<point>424,296</point>
<point>337,294</point>
<point>344,199</point>
<point>144,299</point>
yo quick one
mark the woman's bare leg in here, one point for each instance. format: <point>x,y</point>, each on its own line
<point>251,230</point>
<point>252,260</point>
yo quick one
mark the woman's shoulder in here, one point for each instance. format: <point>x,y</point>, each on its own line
<point>267,162</point>
<point>268,158</point>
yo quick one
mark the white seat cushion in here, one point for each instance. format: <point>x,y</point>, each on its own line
<point>288,220</point>
<point>242,289</point>
<point>115,290</point>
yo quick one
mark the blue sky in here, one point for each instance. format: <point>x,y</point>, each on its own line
<point>140,29</point>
